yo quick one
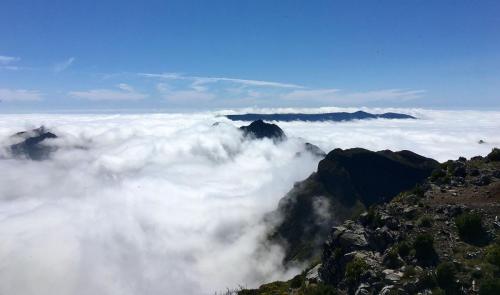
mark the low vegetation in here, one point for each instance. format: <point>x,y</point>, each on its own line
<point>470,227</point>
<point>424,248</point>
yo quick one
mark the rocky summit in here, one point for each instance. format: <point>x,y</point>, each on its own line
<point>440,237</point>
<point>260,129</point>
<point>32,144</point>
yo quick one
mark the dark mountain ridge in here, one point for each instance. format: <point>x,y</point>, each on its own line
<point>336,117</point>
<point>346,182</point>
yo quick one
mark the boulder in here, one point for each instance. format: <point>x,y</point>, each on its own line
<point>312,276</point>
<point>392,276</point>
<point>363,289</point>
<point>350,237</point>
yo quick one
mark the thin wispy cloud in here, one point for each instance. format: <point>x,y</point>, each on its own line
<point>124,92</point>
<point>8,63</point>
<point>264,91</point>
<point>22,95</point>
<point>61,66</point>
<point>4,60</point>
<point>341,96</point>
<point>207,80</point>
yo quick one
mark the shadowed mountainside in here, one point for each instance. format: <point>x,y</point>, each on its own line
<point>32,145</point>
<point>336,117</point>
<point>260,129</point>
<point>346,182</point>
<point>439,238</point>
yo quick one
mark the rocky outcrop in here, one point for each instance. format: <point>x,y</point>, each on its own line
<point>410,243</point>
<point>260,129</point>
<point>32,144</point>
<point>441,237</point>
<point>346,181</point>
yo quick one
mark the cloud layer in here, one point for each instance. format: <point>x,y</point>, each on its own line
<point>168,203</point>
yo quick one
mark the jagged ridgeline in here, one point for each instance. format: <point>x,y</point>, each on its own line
<point>345,183</point>
<point>32,144</point>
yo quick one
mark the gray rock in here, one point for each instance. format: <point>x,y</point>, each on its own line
<point>483,180</point>
<point>363,289</point>
<point>386,290</point>
<point>410,212</point>
<point>392,276</point>
<point>312,275</point>
<point>351,236</point>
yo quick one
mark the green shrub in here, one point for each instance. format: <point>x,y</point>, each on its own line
<point>373,218</point>
<point>320,289</point>
<point>425,221</point>
<point>438,291</point>
<point>438,175</point>
<point>296,282</point>
<point>391,259</point>
<point>403,249</point>
<point>409,272</point>
<point>446,275</point>
<point>494,155</point>
<point>470,227</point>
<point>424,247</point>
<point>489,287</point>
<point>493,255</point>
<point>418,191</point>
<point>427,280</point>
<point>354,270</point>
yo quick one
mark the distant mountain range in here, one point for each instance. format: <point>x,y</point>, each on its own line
<point>336,117</point>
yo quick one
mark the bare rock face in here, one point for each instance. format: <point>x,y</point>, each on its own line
<point>32,144</point>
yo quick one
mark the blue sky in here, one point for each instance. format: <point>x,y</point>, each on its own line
<point>222,54</point>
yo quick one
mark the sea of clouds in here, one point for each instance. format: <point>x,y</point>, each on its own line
<point>169,203</point>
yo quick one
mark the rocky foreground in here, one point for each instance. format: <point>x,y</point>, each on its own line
<point>440,237</point>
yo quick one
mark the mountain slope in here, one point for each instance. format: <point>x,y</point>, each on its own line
<point>346,182</point>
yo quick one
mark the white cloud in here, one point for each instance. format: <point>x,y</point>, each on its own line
<point>125,87</point>
<point>151,203</point>
<point>10,95</point>
<point>197,81</point>
<point>6,63</point>
<point>125,93</point>
<point>59,67</point>
<point>339,96</point>
<point>4,60</point>
<point>162,203</point>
